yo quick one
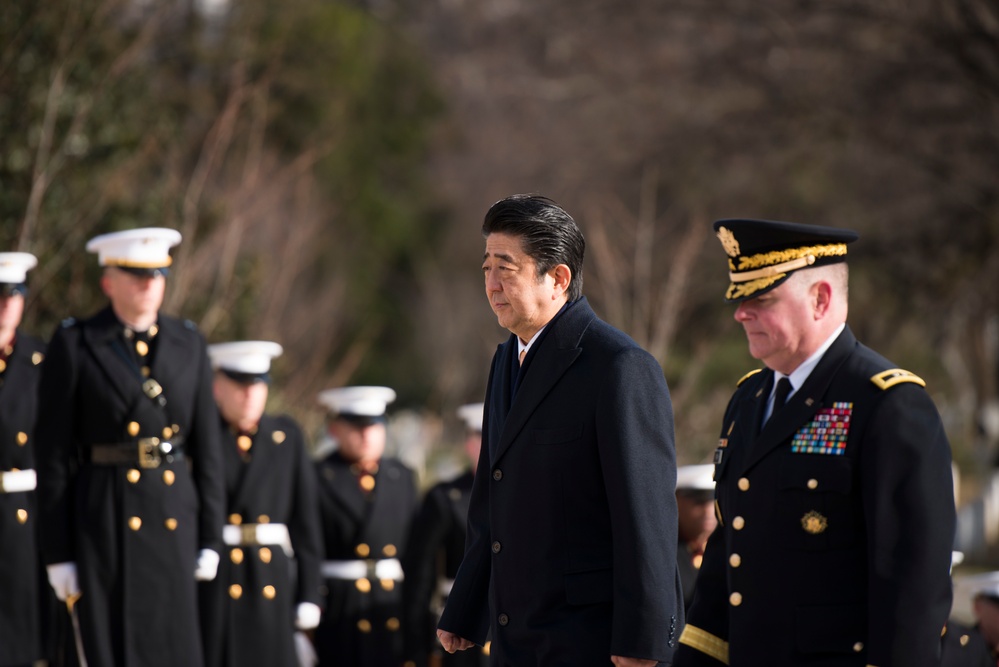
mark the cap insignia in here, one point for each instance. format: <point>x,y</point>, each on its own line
<point>728,242</point>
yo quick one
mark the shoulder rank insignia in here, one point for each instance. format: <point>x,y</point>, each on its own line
<point>893,376</point>
<point>747,376</point>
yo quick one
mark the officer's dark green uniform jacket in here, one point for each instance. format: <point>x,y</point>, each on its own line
<point>836,524</point>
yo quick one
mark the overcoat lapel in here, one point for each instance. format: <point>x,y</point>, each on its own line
<point>805,402</point>
<point>172,356</point>
<point>556,353</point>
<point>100,337</point>
<point>347,493</point>
<point>253,473</point>
<point>18,366</point>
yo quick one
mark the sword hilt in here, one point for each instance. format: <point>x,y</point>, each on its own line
<point>72,599</point>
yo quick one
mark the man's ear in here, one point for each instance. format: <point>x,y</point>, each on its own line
<point>106,284</point>
<point>821,294</point>
<point>562,276</point>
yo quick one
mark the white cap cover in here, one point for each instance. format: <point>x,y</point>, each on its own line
<point>471,414</point>
<point>359,401</point>
<point>696,478</point>
<point>246,356</point>
<point>14,266</point>
<point>144,248</point>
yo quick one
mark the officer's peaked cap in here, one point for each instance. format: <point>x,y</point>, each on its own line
<point>364,402</point>
<point>471,415</point>
<point>245,360</point>
<point>762,254</point>
<point>695,477</point>
<point>143,248</point>
<point>14,266</point>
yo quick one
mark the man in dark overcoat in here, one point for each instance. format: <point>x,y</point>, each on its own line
<point>833,479</point>
<point>367,501</point>
<point>22,604</point>
<point>435,549</point>
<point>268,581</point>
<point>572,534</point>
<point>129,469</point>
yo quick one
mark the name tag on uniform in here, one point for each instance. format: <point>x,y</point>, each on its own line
<point>826,433</point>
<point>720,450</point>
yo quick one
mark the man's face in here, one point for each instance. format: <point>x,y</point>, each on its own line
<point>11,310</point>
<point>776,324</point>
<point>695,515</point>
<point>362,443</point>
<point>133,296</point>
<point>242,405</point>
<point>522,302</point>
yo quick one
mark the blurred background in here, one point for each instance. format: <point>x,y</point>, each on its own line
<point>328,164</point>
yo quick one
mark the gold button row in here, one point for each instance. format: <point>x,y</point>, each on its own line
<point>364,625</point>
<point>236,592</point>
<point>364,584</point>
<point>237,519</point>
<point>363,550</point>
<point>134,475</point>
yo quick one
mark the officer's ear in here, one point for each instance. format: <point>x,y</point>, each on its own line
<point>820,294</point>
<point>107,284</point>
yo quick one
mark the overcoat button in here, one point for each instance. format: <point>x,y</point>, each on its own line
<point>503,619</point>
<point>497,547</point>
<point>497,474</point>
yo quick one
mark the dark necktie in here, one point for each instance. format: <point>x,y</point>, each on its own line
<point>780,396</point>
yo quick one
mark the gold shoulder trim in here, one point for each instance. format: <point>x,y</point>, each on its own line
<point>705,642</point>
<point>893,376</point>
<point>747,376</point>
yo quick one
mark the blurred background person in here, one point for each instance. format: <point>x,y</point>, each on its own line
<point>695,508</point>
<point>436,546</point>
<point>130,487</point>
<point>23,602</point>
<point>367,501</point>
<point>268,582</point>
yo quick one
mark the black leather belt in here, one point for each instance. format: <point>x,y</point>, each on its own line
<point>144,452</point>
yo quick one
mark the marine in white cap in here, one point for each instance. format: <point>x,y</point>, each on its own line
<point>695,508</point>
<point>21,609</point>
<point>435,549</point>
<point>367,501</point>
<point>130,486</point>
<point>273,514</point>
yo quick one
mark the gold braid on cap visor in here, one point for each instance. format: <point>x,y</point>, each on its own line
<point>775,265</point>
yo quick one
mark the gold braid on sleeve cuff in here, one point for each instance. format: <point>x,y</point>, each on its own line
<point>706,643</point>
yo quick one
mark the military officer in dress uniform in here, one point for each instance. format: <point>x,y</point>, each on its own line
<point>21,602</point>
<point>262,594</point>
<point>833,479</point>
<point>436,545</point>
<point>695,513</point>
<point>367,502</point>
<point>130,481</point>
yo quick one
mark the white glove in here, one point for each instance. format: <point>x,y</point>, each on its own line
<point>63,579</point>
<point>307,615</point>
<point>305,651</point>
<point>207,566</point>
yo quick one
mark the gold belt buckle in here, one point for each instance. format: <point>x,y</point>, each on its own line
<point>149,453</point>
<point>248,533</point>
